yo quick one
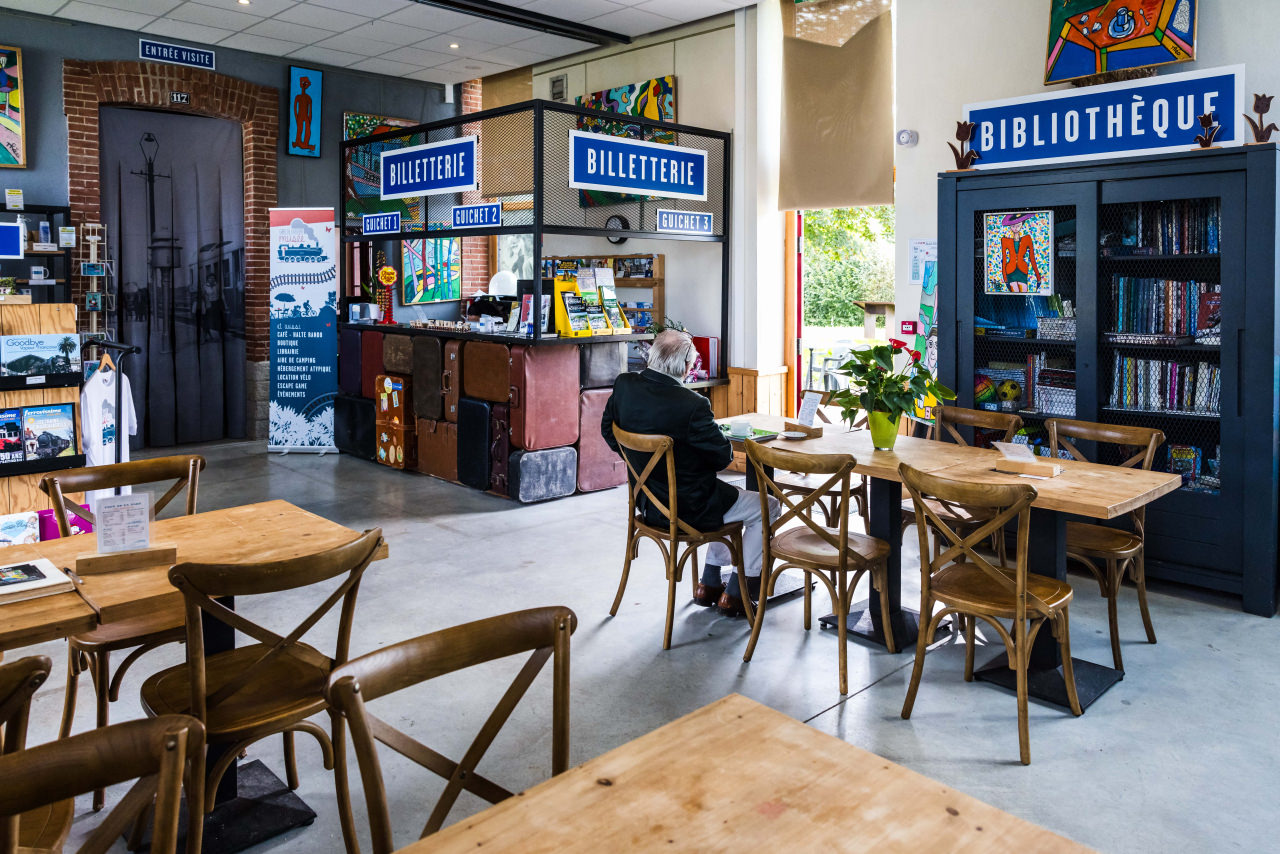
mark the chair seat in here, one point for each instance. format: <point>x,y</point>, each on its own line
<point>163,626</point>
<point>662,533</point>
<point>959,516</point>
<point>803,545</point>
<point>806,483</point>
<point>971,589</point>
<point>1101,541</point>
<point>285,689</point>
<point>45,828</point>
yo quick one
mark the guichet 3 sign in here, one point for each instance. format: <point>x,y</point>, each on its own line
<point>684,222</point>
<point>426,170</point>
<point>1149,116</point>
<point>620,165</point>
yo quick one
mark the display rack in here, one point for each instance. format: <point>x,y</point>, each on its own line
<point>58,260</point>
<point>655,284</point>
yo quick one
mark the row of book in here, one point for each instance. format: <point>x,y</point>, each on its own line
<point>1183,227</point>
<point>1164,307</point>
<point>640,267</point>
<point>1163,385</point>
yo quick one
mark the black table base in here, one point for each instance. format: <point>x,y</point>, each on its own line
<point>1048,684</point>
<point>906,626</point>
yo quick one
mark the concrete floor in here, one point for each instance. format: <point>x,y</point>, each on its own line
<point>1181,755</point>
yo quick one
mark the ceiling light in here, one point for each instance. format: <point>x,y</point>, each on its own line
<point>243,2</point>
<point>454,46</point>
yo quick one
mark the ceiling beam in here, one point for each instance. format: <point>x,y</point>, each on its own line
<point>530,20</point>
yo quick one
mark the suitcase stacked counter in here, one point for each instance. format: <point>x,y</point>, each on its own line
<point>349,361</point>
<point>473,442</point>
<point>370,361</point>
<point>353,425</point>
<point>601,363</point>
<point>486,371</point>
<point>397,353</point>
<point>394,400</point>
<point>428,370</point>
<point>543,475</point>
<point>598,466</point>
<point>544,396</point>
<point>499,449</point>
<point>451,379</point>
<point>438,448</point>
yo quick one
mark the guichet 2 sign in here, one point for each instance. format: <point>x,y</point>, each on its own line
<point>1149,116</point>
<point>426,170</point>
<point>620,165</point>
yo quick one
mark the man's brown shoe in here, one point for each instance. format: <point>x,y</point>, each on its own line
<point>706,596</point>
<point>731,606</point>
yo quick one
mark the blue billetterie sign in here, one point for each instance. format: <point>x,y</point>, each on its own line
<point>477,216</point>
<point>381,223</point>
<point>1120,119</point>
<point>425,170</point>
<point>620,165</point>
<point>684,222</point>
<point>175,54</point>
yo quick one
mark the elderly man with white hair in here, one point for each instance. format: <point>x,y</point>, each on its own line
<point>655,401</point>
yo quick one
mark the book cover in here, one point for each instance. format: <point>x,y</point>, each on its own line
<point>49,431</point>
<point>32,579</point>
<point>11,436</point>
<point>19,528</point>
<point>36,355</point>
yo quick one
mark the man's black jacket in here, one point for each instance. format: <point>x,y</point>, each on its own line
<point>652,402</point>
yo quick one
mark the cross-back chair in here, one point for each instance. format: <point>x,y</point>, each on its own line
<point>837,557</point>
<point>543,632</point>
<point>270,687</point>
<point>91,651</point>
<point>1118,549</point>
<point>43,827</point>
<point>967,585</point>
<point>678,541</point>
<point>794,483</point>
<point>946,423</point>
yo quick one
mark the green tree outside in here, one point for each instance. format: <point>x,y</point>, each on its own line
<point>848,255</point>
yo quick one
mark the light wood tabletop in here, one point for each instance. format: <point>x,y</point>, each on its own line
<point>771,783</point>
<point>270,530</point>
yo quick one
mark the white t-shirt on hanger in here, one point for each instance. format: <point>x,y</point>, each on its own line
<point>98,424</point>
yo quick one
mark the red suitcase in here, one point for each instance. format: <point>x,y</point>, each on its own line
<point>598,466</point>
<point>544,396</point>
<point>499,448</point>
<point>486,371</point>
<point>370,362</point>
<point>438,448</point>
<point>397,353</point>
<point>451,379</point>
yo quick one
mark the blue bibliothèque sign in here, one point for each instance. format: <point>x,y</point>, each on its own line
<point>684,222</point>
<point>477,216</point>
<point>175,54</point>
<point>425,170</point>
<point>13,240</point>
<point>1149,116</point>
<point>620,165</point>
<point>381,223</point>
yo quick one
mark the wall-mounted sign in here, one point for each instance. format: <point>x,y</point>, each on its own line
<point>381,223</point>
<point>684,222</point>
<point>13,240</point>
<point>179,97</point>
<point>1149,116</point>
<point>477,216</point>
<point>614,163</point>
<point>175,54</point>
<point>425,170</point>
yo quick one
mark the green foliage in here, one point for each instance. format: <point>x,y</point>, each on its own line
<point>848,255</point>
<point>875,386</point>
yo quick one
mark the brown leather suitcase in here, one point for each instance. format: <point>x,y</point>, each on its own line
<point>397,353</point>
<point>428,367</point>
<point>438,448</point>
<point>397,446</point>
<point>349,361</point>
<point>451,379</point>
<point>486,370</point>
<point>544,396</point>
<point>598,466</point>
<point>393,403</point>
<point>370,362</point>
<point>499,448</point>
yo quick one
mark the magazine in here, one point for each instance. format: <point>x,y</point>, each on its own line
<point>31,580</point>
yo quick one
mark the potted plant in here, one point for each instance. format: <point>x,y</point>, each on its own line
<point>874,386</point>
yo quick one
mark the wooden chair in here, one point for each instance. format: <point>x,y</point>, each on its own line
<point>91,651</point>
<point>967,585</point>
<point>836,557</point>
<point>800,485</point>
<point>543,631</point>
<point>1118,549</point>
<point>269,687</point>
<point>679,541</point>
<point>43,827</point>
<point>945,422</point>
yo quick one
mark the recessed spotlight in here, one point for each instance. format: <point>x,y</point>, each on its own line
<point>243,2</point>
<point>474,67</point>
<point>454,46</point>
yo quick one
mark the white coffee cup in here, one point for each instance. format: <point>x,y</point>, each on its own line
<point>740,429</point>
<point>39,272</point>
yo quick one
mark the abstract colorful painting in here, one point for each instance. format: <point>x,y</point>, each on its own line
<point>1088,37</point>
<point>1018,253</point>
<point>432,270</point>
<point>306,94</point>
<point>363,193</point>
<point>13,123</point>
<point>651,99</point>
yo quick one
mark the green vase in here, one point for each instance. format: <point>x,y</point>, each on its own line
<point>884,430</point>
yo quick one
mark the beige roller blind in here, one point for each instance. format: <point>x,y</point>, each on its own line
<point>837,118</point>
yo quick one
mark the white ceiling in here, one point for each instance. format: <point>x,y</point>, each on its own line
<point>400,38</point>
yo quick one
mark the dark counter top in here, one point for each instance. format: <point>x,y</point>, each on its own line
<point>501,337</point>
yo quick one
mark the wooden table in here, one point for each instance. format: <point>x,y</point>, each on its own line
<point>769,783</point>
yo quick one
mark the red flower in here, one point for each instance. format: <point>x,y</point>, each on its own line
<point>915,355</point>
<point>897,345</point>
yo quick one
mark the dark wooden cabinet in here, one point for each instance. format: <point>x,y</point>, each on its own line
<point>1143,248</point>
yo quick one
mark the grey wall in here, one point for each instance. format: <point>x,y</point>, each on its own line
<point>303,181</point>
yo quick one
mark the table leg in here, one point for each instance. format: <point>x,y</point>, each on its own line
<point>1047,555</point>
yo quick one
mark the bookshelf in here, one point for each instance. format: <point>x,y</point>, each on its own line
<point>1152,253</point>
<point>622,266</point>
<point>57,261</point>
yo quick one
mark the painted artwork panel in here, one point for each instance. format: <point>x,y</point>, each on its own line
<point>1018,253</point>
<point>362,191</point>
<point>306,91</point>
<point>1087,37</point>
<point>13,123</point>
<point>432,270</point>
<point>649,99</point>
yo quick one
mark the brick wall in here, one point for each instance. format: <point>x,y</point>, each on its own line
<point>475,250</point>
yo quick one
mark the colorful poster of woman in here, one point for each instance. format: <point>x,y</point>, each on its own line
<point>1018,253</point>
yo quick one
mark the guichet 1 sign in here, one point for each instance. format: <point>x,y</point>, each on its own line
<point>1149,116</point>
<point>616,164</point>
<point>381,223</point>
<point>426,170</point>
<point>684,222</point>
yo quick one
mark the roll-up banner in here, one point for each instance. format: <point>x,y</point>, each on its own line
<point>304,329</point>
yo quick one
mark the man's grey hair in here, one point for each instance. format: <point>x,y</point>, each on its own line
<point>671,353</point>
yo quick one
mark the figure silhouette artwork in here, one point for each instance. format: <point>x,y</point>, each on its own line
<point>1019,253</point>
<point>302,116</point>
<point>305,98</point>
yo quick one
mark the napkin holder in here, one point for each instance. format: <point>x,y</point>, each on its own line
<point>1028,467</point>
<point>101,563</point>
<point>797,427</point>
